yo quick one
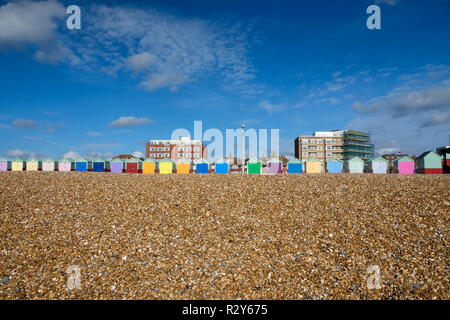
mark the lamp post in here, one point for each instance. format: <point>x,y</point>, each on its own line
<point>243,147</point>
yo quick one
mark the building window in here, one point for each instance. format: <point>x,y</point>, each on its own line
<point>328,148</point>
<point>152,149</point>
<point>180,155</point>
<point>166,148</point>
<point>304,147</point>
<point>189,149</point>
<point>329,154</point>
<point>304,140</point>
<point>152,154</point>
<point>334,140</point>
<point>188,155</point>
<point>312,141</point>
<point>319,148</point>
<point>196,149</point>
<point>180,148</point>
<point>319,155</point>
<point>319,141</point>
<point>328,141</point>
<point>160,149</point>
<point>312,148</point>
<point>312,154</point>
<point>159,155</point>
<point>166,155</point>
<point>196,155</point>
<point>305,154</point>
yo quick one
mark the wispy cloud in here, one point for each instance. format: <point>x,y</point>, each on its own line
<point>94,134</point>
<point>24,124</point>
<point>129,121</point>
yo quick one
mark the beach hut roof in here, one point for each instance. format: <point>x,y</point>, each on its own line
<point>201,160</point>
<point>165,160</point>
<point>133,160</point>
<point>378,159</point>
<point>221,160</point>
<point>33,160</point>
<point>405,158</point>
<point>253,160</point>
<point>313,160</point>
<point>294,160</point>
<point>48,160</point>
<point>116,160</point>
<point>3,160</point>
<point>66,160</point>
<point>274,160</point>
<point>17,160</point>
<point>358,159</point>
<point>334,160</point>
<point>149,160</point>
<point>99,160</point>
<point>426,153</point>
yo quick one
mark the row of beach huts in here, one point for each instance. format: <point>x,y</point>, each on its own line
<point>428,163</point>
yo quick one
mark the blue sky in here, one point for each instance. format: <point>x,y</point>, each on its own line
<point>138,70</point>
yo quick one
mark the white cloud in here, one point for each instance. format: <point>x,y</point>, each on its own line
<point>24,124</point>
<point>36,23</point>
<point>270,107</point>
<point>137,154</point>
<point>157,81</point>
<point>17,153</point>
<point>72,155</point>
<point>94,134</point>
<point>405,103</point>
<point>129,121</point>
<point>389,2</point>
<point>141,61</point>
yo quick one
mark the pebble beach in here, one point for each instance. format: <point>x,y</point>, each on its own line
<point>298,236</point>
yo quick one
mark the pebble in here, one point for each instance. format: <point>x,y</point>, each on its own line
<point>223,236</point>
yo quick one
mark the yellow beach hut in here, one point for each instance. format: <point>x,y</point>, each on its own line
<point>165,166</point>
<point>17,165</point>
<point>34,164</point>
<point>313,165</point>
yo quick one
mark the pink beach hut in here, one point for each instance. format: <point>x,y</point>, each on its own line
<point>274,166</point>
<point>4,165</point>
<point>66,165</point>
<point>404,165</point>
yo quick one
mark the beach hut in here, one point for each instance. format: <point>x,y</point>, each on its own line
<point>49,164</point>
<point>33,164</point>
<point>99,165</point>
<point>183,166</point>
<point>429,162</point>
<point>5,164</point>
<point>404,165</point>
<point>334,165</point>
<point>294,166</point>
<point>17,164</point>
<point>354,165</point>
<point>165,166</point>
<point>254,166</point>
<point>201,166</point>
<point>378,165</point>
<point>83,165</point>
<point>133,165</point>
<point>274,166</point>
<point>117,165</point>
<point>148,166</point>
<point>66,164</point>
<point>221,166</point>
<point>313,165</point>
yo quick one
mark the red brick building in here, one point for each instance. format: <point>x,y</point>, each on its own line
<point>184,148</point>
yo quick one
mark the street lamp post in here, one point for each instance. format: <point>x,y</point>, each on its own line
<point>243,147</point>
